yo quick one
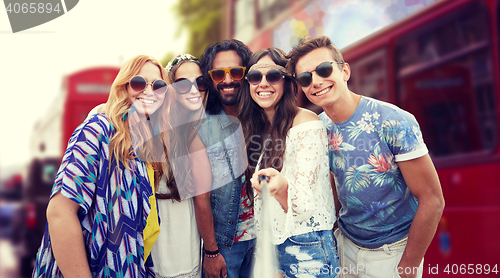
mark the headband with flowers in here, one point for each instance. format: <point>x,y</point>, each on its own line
<point>180,58</point>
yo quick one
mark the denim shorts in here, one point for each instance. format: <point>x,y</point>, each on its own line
<point>309,255</point>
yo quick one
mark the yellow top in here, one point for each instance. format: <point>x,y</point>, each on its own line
<point>152,228</point>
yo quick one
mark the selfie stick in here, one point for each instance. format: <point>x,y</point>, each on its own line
<point>268,258</point>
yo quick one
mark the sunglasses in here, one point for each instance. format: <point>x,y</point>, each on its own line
<point>184,85</point>
<point>139,84</point>
<point>273,77</point>
<point>323,70</point>
<point>236,73</point>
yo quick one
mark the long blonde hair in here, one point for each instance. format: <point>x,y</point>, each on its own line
<point>117,108</point>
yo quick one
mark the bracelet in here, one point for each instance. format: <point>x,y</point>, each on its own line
<point>216,252</point>
<point>212,256</point>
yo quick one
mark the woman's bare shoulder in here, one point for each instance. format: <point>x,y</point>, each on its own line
<point>304,116</point>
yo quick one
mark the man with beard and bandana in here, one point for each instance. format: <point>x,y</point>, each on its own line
<point>225,214</point>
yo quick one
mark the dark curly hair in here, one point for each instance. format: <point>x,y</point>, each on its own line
<point>214,106</point>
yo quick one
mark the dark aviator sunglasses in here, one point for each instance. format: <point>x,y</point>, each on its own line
<point>322,70</point>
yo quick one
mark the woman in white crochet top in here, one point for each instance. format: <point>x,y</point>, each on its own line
<point>289,146</point>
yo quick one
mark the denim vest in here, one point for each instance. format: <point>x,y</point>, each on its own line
<point>225,144</point>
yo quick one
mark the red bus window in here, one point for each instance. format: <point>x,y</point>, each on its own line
<point>369,75</point>
<point>445,78</point>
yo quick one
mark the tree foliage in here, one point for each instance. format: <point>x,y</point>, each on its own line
<point>166,58</point>
<point>202,19</point>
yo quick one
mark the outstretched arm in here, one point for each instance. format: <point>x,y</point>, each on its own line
<point>66,237</point>
<point>306,162</point>
<point>278,185</point>
<point>423,182</point>
<point>202,176</point>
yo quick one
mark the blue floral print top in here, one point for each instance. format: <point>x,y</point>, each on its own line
<point>377,206</point>
<point>114,205</point>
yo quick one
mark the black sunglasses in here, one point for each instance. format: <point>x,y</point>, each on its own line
<point>273,77</point>
<point>139,84</point>
<point>323,70</point>
<point>184,85</point>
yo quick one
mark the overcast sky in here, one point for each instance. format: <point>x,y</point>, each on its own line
<point>33,62</point>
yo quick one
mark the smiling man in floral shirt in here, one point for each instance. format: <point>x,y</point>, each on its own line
<point>386,182</point>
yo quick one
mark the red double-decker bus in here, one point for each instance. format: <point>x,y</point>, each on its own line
<point>442,64</point>
<point>86,89</point>
<point>81,91</point>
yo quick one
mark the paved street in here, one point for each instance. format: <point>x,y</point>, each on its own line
<point>8,262</point>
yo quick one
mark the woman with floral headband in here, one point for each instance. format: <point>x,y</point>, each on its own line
<point>102,216</point>
<point>177,252</point>
<point>289,146</point>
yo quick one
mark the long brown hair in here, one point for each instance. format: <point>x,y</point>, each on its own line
<point>260,134</point>
<point>183,132</point>
<point>116,109</point>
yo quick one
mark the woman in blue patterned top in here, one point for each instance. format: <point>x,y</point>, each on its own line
<point>102,216</point>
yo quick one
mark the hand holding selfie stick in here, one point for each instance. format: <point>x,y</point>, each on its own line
<point>266,248</point>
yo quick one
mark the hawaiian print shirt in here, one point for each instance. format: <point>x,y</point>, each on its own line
<point>377,206</point>
<point>245,227</point>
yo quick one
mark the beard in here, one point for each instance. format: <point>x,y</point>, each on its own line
<point>228,100</point>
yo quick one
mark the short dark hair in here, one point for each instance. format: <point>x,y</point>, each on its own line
<point>213,104</point>
<point>307,45</point>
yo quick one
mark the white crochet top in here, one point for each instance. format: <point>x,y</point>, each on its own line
<point>310,198</point>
